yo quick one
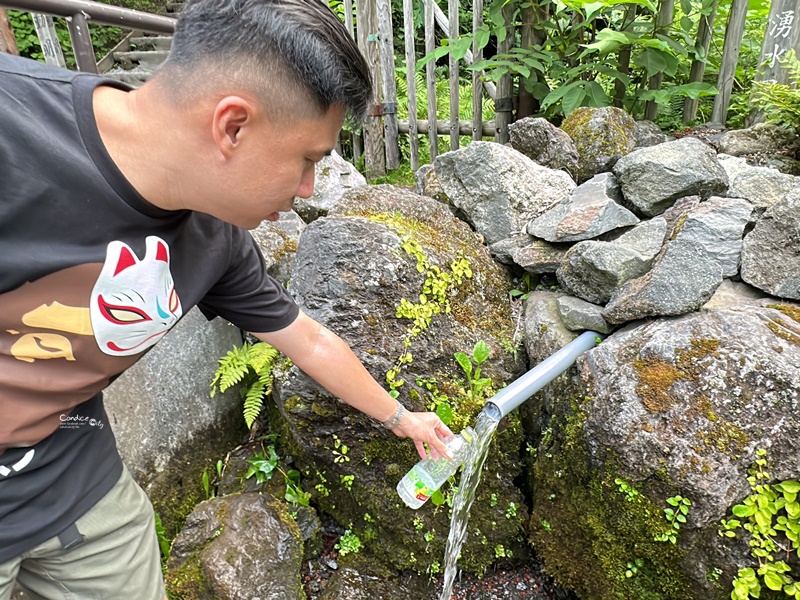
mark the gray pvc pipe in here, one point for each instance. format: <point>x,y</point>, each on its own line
<point>510,397</point>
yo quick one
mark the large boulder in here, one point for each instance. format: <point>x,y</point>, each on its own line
<point>545,143</point>
<point>239,546</point>
<point>652,179</point>
<point>771,251</point>
<point>761,138</point>
<point>406,285</point>
<point>499,189</point>
<point>602,136</point>
<point>671,408</point>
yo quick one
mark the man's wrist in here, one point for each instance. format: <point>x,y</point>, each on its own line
<point>396,417</point>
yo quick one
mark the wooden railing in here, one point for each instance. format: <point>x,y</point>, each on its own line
<point>78,13</point>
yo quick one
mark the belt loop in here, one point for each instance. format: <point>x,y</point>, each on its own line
<point>70,537</point>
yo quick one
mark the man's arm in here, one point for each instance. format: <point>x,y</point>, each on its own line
<point>326,358</point>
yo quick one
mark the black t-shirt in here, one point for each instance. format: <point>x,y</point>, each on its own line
<point>91,276</point>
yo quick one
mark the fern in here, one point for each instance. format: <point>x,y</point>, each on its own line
<point>779,102</point>
<point>251,366</point>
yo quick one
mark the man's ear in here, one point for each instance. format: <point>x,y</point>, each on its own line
<point>232,114</point>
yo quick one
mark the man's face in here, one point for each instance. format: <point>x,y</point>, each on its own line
<point>273,165</point>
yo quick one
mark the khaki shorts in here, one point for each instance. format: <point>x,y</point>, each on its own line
<point>117,559</point>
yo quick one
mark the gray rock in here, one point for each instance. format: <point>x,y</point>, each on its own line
<point>333,176</point>
<point>683,278</point>
<point>762,186</point>
<point>602,136</point>
<point>245,545</point>
<point>652,179</point>
<point>350,584</point>
<point>648,133</point>
<point>539,257</point>
<point>579,315</point>
<point>427,184</point>
<point>352,274</point>
<point>545,143</point>
<point>163,418</point>
<point>674,213</point>
<point>277,241</point>
<point>499,189</point>
<point>589,211</point>
<point>761,138</point>
<point>595,270</point>
<point>504,250</point>
<point>718,226</point>
<point>771,251</point>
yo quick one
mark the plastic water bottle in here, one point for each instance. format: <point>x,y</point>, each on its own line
<point>428,475</point>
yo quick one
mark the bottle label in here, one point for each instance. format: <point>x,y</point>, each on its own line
<point>421,491</point>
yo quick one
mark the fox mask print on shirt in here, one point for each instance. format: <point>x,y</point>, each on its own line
<point>74,330</point>
<point>134,302</point>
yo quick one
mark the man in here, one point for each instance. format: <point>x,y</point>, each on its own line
<point>119,211</point>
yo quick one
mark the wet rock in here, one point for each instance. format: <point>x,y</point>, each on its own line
<point>545,143</point>
<point>333,176</point>
<point>499,189</point>
<point>652,179</point>
<point>354,270</point>
<point>771,251</point>
<point>350,584</point>
<point>589,211</point>
<point>594,270</point>
<point>602,136</point>
<point>241,546</point>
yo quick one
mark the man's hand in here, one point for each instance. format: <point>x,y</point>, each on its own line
<point>425,427</point>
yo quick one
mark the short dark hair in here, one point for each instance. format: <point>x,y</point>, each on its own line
<point>294,54</point>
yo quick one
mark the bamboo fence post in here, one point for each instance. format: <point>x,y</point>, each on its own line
<point>663,20</point>
<point>704,31</point>
<point>430,75</point>
<point>503,105</point>
<point>782,35</point>
<point>367,18</point>
<point>411,82</point>
<point>8,43</point>
<point>452,9</point>
<point>730,56</point>
<point>389,106</point>
<point>348,23</point>
<point>477,89</point>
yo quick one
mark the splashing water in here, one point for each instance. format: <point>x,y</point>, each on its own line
<point>484,428</point>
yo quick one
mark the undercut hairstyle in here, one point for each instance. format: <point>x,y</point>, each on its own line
<point>296,56</point>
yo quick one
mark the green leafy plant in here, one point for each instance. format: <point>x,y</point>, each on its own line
<point>348,543</point>
<point>675,516</point>
<point>263,465</point>
<point>294,490</point>
<point>632,567</point>
<point>477,386</point>
<point>163,541</point>
<point>771,515</point>
<point>340,450</point>
<point>251,366</point>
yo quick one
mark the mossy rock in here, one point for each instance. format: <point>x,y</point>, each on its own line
<point>601,136</point>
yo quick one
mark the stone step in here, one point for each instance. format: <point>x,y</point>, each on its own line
<point>155,42</point>
<point>148,59</point>
<point>134,78</point>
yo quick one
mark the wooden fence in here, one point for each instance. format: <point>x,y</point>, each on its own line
<point>375,37</point>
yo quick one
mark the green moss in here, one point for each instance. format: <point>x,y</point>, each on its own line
<point>294,403</point>
<point>790,311</point>
<point>782,329</point>
<point>655,379</point>
<point>586,530</point>
<point>188,582</point>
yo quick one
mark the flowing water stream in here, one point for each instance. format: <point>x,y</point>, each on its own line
<point>485,427</point>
